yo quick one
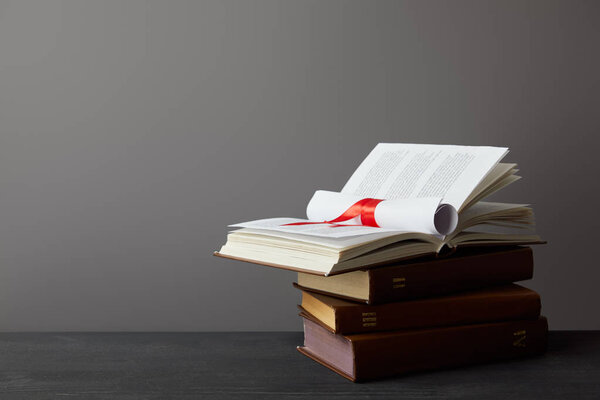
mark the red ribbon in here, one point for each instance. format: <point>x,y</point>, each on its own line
<point>364,208</point>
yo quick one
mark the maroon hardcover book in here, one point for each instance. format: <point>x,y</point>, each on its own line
<point>382,354</point>
<point>467,269</point>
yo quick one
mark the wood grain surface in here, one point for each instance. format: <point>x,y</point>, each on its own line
<point>265,366</point>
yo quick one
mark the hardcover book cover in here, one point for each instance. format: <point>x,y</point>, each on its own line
<point>509,302</point>
<point>467,269</point>
<point>382,354</point>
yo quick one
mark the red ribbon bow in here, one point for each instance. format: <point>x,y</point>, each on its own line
<point>364,208</point>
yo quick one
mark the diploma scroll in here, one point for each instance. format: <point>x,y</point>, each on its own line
<point>426,215</point>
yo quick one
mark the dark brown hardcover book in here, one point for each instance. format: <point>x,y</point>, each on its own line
<point>509,302</point>
<point>382,354</point>
<point>467,269</point>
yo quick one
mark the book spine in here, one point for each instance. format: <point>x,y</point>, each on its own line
<point>443,311</point>
<point>443,276</point>
<point>377,356</point>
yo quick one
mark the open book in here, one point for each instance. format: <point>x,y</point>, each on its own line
<point>403,201</point>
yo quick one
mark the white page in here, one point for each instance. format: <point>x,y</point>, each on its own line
<point>486,207</point>
<point>337,243</point>
<point>322,230</point>
<point>399,171</point>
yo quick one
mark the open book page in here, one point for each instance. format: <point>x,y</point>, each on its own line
<point>334,243</point>
<point>311,228</point>
<point>398,171</point>
<point>479,238</point>
<point>488,210</point>
<point>500,176</point>
<point>319,253</point>
<point>501,214</point>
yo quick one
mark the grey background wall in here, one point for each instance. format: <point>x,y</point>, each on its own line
<point>133,132</point>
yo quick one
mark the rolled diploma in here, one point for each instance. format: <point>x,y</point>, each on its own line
<point>426,214</point>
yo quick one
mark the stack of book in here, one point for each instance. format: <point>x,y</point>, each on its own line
<point>406,269</point>
<point>421,315</point>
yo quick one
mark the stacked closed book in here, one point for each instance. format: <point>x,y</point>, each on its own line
<point>398,272</point>
<point>392,320</point>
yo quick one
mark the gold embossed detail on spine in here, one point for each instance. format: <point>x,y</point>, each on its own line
<point>369,319</point>
<point>398,283</point>
<point>519,338</point>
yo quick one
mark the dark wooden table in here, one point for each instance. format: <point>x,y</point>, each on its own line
<point>265,366</point>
